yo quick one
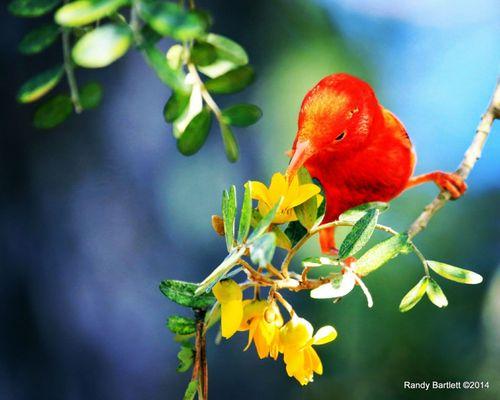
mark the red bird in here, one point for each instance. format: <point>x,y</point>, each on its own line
<point>358,150</point>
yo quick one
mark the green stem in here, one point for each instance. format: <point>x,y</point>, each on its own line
<point>70,72</point>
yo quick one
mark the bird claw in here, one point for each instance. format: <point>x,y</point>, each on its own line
<point>453,183</point>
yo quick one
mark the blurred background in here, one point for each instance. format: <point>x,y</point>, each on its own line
<point>94,214</point>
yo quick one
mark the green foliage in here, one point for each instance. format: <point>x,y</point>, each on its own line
<point>230,143</point>
<point>196,133</point>
<point>241,115</point>
<point>185,356</point>
<point>203,54</point>
<point>83,12</point>
<point>168,75</point>
<point>315,262</point>
<point>91,95</point>
<point>102,46</point>
<point>191,389</point>
<point>170,19</point>
<point>39,85</point>
<point>181,325</point>
<point>227,49</point>
<point>245,215</point>
<point>355,213</point>
<point>264,223</point>
<point>307,212</point>
<point>39,39</point>
<point>31,8</point>
<point>456,274</point>
<point>381,253</point>
<point>53,112</point>
<point>295,231</point>
<point>360,234</point>
<point>229,205</point>
<point>183,293</point>
<point>231,82</point>
<point>414,295</point>
<point>435,294</point>
<point>262,249</point>
<point>176,105</point>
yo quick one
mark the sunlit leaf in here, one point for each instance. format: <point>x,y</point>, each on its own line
<point>229,205</point>
<point>196,133</point>
<point>414,295</point>
<point>102,46</point>
<point>241,114</point>
<point>90,95</point>
<point>39,85</point>
<point>31,8</point>
<point>84,12</point>
<point>315,262</point>
<point>183,293</point>
<point>231,82</point>
<point>39,39</point>
<point>175,56</point>
<point>170,19</point>
<point>355,213</point>
<point>339,286</point>
<point>379,254</point>
<point>171,77</point>
<point>53,112</point>
<point>185,357</point>
<point>245,215</point>
<point>227,49</point>
<point>264,223</point>
<point>191,390</point>
<point>454,273</point>
<point>262,249</point>
<point>217,68</point>
<point>181,325</point>
<point>307,211</point>
<point>359,235</point>
<point>230,143</point>
<point>435,294</point>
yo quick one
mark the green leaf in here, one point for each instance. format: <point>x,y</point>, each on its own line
<point>171,77</point>
<point>295,231</point>
<point>196,133</point>
<point>282,240</point>
<point>203,54</point>
<point>90,95</point>
<point>355,213</point>
<point>339,286</point>
<point>53,112</point>
<point>456,274</point>
<point>183,293</point>
<point>181,325</point>
<point>231,82</point>
<point>306,212</point>
<point>264,223</point>
<point>39,39</point>
<point>360,234</point>
<point>229,205</point>
<point>102,46</point>
<point>185,357</point>
<point>39,85</point>
<point>246,214</point>
<point>315,262</point>
<point>435,294</point>
<point>227,49</point>
<point>219,272</point>
<point>241,115</point>
<point>170,19</point>
<point>262,249</point>
<point>191,390</point>
<point>414,295</point>
<point>379,254</point>
<point>230,143</point>
<point>31,8</point>
<point>84,12</point>
<point>176,105</point>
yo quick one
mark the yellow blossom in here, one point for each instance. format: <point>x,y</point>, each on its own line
<point>296,341</point>
<point>262,320</point>
<point>293,194</point>
<point>230,296</point>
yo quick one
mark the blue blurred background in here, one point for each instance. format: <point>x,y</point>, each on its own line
<point>97,212</point>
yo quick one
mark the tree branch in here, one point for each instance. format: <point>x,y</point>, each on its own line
<point>70,72</point>
<point>471,156</point>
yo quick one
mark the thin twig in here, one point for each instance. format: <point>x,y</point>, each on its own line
<point>200,368</point>
<point>204,92</point>
<point>471,156</point>
<point>70,72</point>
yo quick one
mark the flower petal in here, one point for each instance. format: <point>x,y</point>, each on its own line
<point>305,193</point>
<point>260,192</point>
<point>278,187</point>
<point>231,315</point>
<point>227,290</point>
<point>324,335</point>
<point>317,366</point>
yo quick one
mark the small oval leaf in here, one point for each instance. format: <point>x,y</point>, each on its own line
<point>414,295</point>
<point>39,85</point>
<point>176,105</point>
<point>436,294</point>
<point>231,82</point>
<point>359,235</point>
<point>245,215</point>
<point>172,77</point>
<point>31,8</point>
<point>227,49</point>
<point>39,39</point>
<point>229,205</point>
<point>84,12</point>
<point>102,46</point>
<point>355,213</point>
<point>181,325</point>
<point>196,133</point>
<point>230,143</point>
<point>90,95</point>
<point>53,112</point>
<point>203,54</point>
<point>183,293</point>
<point>456,274</point>
<point>242,114</point>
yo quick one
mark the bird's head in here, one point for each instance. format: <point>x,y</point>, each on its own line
<point>335,117</point>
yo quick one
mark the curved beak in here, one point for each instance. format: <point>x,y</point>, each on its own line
<point>300,154</point>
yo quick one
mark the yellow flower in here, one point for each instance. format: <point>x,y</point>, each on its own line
<point>296,341</point>
<point>263,321</point>
<point>230,296</point>
<point>292,192</point>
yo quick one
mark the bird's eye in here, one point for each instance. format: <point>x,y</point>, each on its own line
<point>340,137</point>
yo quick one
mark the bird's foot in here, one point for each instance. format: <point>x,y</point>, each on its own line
<point>452,183</point>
